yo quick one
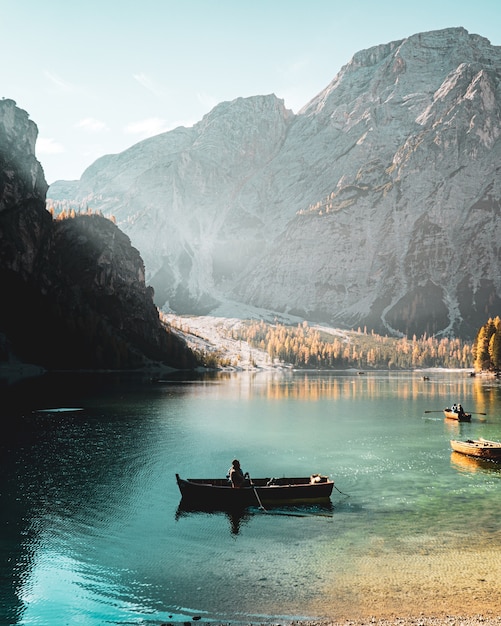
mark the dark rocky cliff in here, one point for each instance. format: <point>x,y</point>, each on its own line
<point>73,290</point>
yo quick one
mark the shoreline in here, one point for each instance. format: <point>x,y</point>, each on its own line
<point>418,584</point>
<point>486,618</point>
<point>421,620</point>
<point>459,585</point>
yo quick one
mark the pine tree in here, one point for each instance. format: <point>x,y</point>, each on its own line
<point>481,350</point>
<point>495,345</point>
<point>484,348</point>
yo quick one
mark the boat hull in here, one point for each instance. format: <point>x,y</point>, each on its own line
<point>218,492</point>
<point>478,448</point>
<point>473,464</point>
<point>453,415</point>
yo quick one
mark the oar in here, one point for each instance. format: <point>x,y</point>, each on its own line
<point>471,412</point>
<point>256,494</point>
<point>286,514</point>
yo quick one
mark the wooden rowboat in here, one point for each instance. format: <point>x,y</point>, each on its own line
<point>455,415</point>
<point>479,448</point>
<point>258,492</point>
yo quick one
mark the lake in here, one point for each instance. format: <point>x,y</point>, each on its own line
<point>92,531</point>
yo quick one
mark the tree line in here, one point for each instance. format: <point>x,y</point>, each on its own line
<point>303,346</point>
<point>62,211</point>
<point>487,346</point>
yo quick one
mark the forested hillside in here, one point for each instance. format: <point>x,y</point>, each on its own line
<point>305,346</point>
<point>487,346</point>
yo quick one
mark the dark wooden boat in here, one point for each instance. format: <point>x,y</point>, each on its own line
<point>456,415</point>
<point>258,492</point>
<point>479,448</point>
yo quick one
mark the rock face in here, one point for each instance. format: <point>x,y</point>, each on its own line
<point>191,199</point>
<point>26,230</point>
<point>74,294</point>
<point>378,204</point>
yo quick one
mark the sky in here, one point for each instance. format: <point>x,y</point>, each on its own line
<point>98,76</point>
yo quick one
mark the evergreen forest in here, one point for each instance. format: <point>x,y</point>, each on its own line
<point>486,350</point>
<point>303,346</point>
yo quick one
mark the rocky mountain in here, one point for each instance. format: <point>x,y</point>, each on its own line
<point>378,204</point>
<point>74,294</point>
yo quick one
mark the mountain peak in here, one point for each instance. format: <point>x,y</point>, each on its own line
<point>417,64</point>
<point>376,204</point>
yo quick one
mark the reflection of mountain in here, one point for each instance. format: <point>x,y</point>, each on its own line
<point>465,463</point>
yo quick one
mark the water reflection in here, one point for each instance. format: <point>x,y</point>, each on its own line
<point>317,385</point>
<point>295,385</point>
<point>236,517</point>
<point>240,516</point>
<point>465,463</point>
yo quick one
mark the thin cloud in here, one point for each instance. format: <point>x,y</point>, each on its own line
<point>61,84</point>
<point>47,145</point>
<point>92,125</point>
<point>145,81</point>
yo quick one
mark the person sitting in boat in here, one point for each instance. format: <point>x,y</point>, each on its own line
<point>237,476</point>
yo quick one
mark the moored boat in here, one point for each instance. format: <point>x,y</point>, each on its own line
<point>480,448</point>
<point>258,492</point>
<point>458,415</point>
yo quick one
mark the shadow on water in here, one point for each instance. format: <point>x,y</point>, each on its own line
<point>464,463</point>
<point>239,516</point>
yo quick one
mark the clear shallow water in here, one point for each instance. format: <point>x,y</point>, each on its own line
<point>90,522</point>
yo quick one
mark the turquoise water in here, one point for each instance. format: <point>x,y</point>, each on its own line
<point>91,528</point>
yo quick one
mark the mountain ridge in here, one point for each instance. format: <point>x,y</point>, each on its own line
<point>376,204</point>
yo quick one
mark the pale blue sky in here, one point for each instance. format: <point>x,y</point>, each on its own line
<point>98,76</point>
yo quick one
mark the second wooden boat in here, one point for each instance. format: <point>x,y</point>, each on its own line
<point>480,448</point>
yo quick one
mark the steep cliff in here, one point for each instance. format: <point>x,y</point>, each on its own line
<point>377,204</point>
<point>74,294</point>
<point>26,226</point>
<point>407,238</point>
